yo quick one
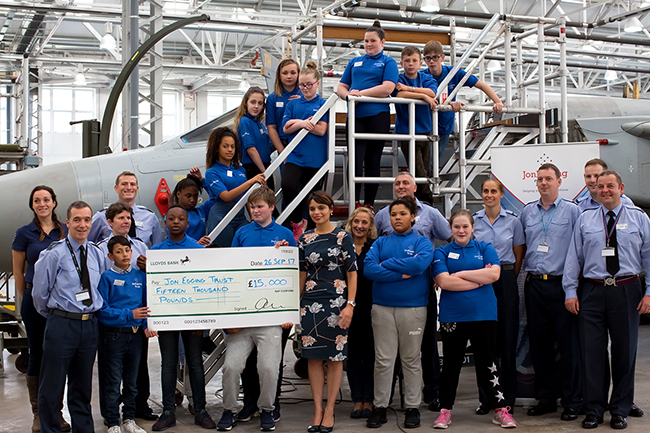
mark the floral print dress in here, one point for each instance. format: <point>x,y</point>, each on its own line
<point>326,258</point>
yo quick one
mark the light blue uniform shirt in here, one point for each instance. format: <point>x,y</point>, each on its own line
<point>369,71</point>
<point>56,281</point>
<point>138,249</point>
<point>275,106</point>
<point>589,238</point>
<point>429,222</point>
<point>504,234</point>
<point>423,115</point>
<point>587,202</point>
<point>253,134</point>
<point>147,226</point>
<point>563,215</point>
<point>312,149</point>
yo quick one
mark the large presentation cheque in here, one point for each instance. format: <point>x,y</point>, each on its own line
<point>222,288</point>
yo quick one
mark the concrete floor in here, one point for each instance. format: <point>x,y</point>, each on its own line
<point>15,411</point>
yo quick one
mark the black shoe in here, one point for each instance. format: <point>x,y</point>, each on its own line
<point>324,429</point>
<point>569,414</point>
<point>366,413</point>
<point>316,428</point>
<point>247,413</point>
<point>412,419</point>
<point>541,409</point>
<point>482,409</point>
<point>147,415</point>
<point>377,418</point>
<point>204,420</point>
<point>165,420</point>
<point>434,405</point>
<point>592,421</point>
<point>635,411</point>
<point>618,422</point>
<point>355,414</point>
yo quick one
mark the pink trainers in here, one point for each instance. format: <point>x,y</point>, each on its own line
<point>503,418</point>
<point>444,419</point>
<point>298,229</point>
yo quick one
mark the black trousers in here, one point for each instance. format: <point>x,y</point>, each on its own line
<point>368,153</point>
<point>143,382</point>
<point>610,310</point>
<point>251,381</point>
<point>252,171</point>
<point>294,178</point>
<point>507,293</point>
<point>552,329</point>
<point>69,349</point>
<point>430,357</point>
<point>482,336</point>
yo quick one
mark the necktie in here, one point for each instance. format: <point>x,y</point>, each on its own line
<point>85,276</point>
<point>612,261</point>
<point>132,232</point>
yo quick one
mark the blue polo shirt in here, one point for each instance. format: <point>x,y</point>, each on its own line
<point>472,305</point>
<point>423,115</point>
<point>221,177</point>
<point>253,133</point>
<point>312,150</point>
<point>505,233</point>
<point>184,244</point>
<point>123,292</point>
<point>369,71</point>
<point>27,240</point>
<point>275,106</point>
<point>446,118</point>
<point>254,235</point>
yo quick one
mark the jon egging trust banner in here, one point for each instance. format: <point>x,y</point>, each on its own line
<point>516,167</point>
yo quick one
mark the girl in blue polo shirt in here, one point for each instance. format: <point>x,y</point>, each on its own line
<point>311,153</point>
<point>374,74</point>
<point>465,270</point>
<point>286,88</point>
<point>252,133</point>
<point>225,181</point>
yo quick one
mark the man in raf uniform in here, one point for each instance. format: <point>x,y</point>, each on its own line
<point>548,224</point>
<point>66,276</point>
<point>611,246</point>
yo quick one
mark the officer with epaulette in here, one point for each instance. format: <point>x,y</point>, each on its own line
<point>144,225</point>
<point>611,247</point>
<point>66,276</point>
<point>548,225</point>
<point>502,229</point>
<point>593,168</point>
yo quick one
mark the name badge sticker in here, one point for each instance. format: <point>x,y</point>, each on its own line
<point>417,218</point>
<point>82,296</point>
<point>359,63</point>
<point>118,282</point>
<point>621,226</point>
<point>229,173</point>
<point>608,252</point>
<point>279,104</point>
<point>542,248</point>
<point>454,256</point>
<point>139,223</point>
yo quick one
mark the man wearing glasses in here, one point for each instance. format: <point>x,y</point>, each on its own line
<point>433,58</point>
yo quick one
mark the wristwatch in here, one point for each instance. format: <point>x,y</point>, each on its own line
<point>354,304</point>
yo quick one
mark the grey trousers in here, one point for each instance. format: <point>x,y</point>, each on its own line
<point>268,340</point>
<point>398,329</point>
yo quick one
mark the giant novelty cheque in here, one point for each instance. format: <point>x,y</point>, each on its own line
<point>222,288</point>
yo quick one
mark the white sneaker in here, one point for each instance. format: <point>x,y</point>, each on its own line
<point>129,426</point>
<point>115,429</point>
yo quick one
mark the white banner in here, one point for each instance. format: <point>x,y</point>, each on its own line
<point>222,288</point>
<point>516,167</point>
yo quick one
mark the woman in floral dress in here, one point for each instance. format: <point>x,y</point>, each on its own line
<point>328,282</point>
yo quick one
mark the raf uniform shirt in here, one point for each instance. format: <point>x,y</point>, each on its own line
<point>429,222</point>
<point>138,249</point>
<point>147,226</point>
<point>551,227</point>
<point>254,235</point>
<point>589,238</point>
<point>505,233</point>
<point>275,106</point>
<point>423,115</point>
<point>56,280</point>
<point>367,71</point>
<point>312,149</point>
<point>588,202</point>
<point>253,134</point>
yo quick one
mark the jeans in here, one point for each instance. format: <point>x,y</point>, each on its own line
<point>168,341</point>
<point>35,327</point>
<point>443,143</point>
<point>217,213</point>
<point>122,357</point>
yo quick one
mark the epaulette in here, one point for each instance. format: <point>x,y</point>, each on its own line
<point>94,245</point>
<point>143,208</point>
<point>567,200</point>
<point>634,208</point>
<point>509,212</point>
<point>532,202</point>
<point>475,213</point>
<point>101,242</point>
<point>102,210</point>
<point>137,239</point>
<point>53,244</point>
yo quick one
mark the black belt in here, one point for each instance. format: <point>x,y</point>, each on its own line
<point>508,267</point>
<point>129,330</point>
<point>69,315</point>
<point>613,281</point>
<point>545,277</point>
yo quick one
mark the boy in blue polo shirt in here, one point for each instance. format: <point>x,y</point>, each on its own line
<point>262,232</point>
<point>123,289</point>
<point>416,84</point>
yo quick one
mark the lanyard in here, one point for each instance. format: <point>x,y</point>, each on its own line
<point>548,223</point>
<point>608,233</point>
<point>76,264</point>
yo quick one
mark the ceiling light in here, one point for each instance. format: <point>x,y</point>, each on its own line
<point>493,66</point>
<point>79,79</point>
<point>314,54</point>
<point>611,75</point>
<point>430,6</point>
<point>108,42</point>
<point>243,85</point>
<point>633,25</point>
